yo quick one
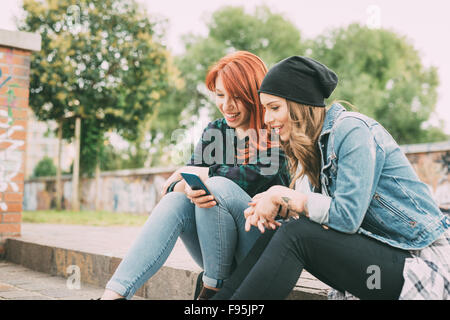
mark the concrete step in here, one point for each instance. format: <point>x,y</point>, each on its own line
<point>95,252</point>
<point>20,283</point>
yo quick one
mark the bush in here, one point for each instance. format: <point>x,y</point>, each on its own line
<point>45,168</point>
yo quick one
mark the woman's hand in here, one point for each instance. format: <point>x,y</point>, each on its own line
<point>199,198</point>
<point>202,172</point>
<point>265,206</point>
<point>262,211</point>
<point>261,223</point>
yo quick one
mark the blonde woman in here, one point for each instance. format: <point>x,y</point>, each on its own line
<point>368,214</point>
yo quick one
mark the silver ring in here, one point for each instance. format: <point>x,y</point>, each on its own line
<point>262,220</point>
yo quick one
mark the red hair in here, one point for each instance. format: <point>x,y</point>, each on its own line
<point>242,73</point>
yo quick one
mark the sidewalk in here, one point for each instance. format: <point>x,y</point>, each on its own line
<point>38,265</point>
<point>109,241</point>
<point>20,283</point>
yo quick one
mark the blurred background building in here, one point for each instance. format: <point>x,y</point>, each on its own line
<point>42,142</point>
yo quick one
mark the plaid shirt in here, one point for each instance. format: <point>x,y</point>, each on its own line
<point>219,149</point>
<point>426,274</point>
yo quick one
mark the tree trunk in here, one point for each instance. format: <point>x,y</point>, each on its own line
<point>97,186</point>
<point>58,168</point>
<point>76,167</point>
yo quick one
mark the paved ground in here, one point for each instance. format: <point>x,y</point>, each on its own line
<point>110,241</point>
<point>20,283</point>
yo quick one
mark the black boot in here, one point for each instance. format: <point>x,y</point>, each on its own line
<point>198,285</point>
<point>206,294</point>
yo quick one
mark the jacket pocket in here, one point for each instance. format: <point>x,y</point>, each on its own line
<point>386,204</point>
<point>412,197</point>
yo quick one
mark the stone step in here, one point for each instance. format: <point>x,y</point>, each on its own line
<point>95,252</point>
<point>20,283</point>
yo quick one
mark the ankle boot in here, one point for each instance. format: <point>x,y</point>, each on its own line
<point>198,285</point>
<point>206,294</point>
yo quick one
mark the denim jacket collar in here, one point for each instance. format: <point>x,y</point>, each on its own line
<point>330,117</point>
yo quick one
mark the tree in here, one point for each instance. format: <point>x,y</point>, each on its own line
<point>101,61</point>
<point>381,74</point>
<point>269,35</point>
<point>133,157</point>
<point>230,29</point>
<point>44,168</point>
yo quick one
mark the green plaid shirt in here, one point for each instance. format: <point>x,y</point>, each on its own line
<point>217,149</point>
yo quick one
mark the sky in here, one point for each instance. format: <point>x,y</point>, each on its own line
<point>424,23</point>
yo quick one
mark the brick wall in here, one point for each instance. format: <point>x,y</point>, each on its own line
<point>15,55</point>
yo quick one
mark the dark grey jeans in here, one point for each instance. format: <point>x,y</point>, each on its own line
<point>365,267</point>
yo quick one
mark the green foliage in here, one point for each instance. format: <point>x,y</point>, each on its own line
<point>269,35</point>
<point>101,60</point>
<point>131,158</point>
<point>262,32</point>
<point>45,168</point>
<point>92,138</point>
<point>88,218</point>
<point>381,73</point>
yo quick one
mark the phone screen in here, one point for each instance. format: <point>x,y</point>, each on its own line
<point>195,182</point>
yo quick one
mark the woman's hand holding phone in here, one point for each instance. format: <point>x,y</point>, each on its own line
<point>199,197</point>
<point>202,172</point>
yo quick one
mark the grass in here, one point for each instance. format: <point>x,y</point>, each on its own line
<point>91,218</point>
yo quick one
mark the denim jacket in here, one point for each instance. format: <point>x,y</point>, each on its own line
<point>369,186</point>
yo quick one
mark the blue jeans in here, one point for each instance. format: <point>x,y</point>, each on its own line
<point>214,237</point>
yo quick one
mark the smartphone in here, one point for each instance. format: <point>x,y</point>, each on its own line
<point>195,182</point>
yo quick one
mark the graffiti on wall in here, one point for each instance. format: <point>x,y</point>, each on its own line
<point>137,194</point>
<point>11,158</point>
<point>445,160</point>
<point>442,193</point>
<point>132,194</point>
<point>3,82</point>
<point>434,170</point>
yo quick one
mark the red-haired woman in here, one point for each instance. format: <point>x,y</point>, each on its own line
<point>236,160</point>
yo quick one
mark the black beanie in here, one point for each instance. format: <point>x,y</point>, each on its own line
<point>300,79</point>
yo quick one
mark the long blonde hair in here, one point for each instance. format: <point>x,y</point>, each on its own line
<point>302,148</point>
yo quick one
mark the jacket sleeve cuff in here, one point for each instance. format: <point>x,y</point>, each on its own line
<point>318,207</point>
<point>172,186</point>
